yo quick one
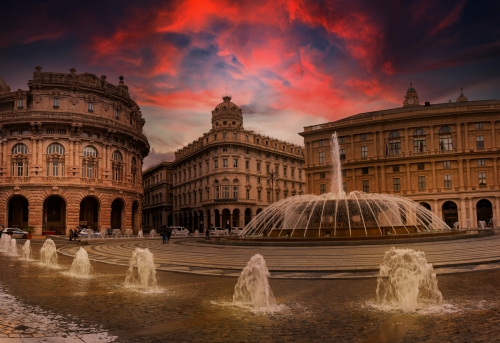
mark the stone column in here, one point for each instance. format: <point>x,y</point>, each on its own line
<point>497,215</point>
<point>408,182</point>
<point>469,185</point>
<point>435,207</point>
<point>463,214</point>
<point>471,213</point>
<point>384,189</point>
<point>376,180</point>
<point>376,144</point>
<point>77,157</point>
<point>71,152</point>
<point>40,149</point>
<point>466,125</point>
<point>432,149</point>
<point>434,180</point>
<point>407,148</point>
<point>459,138</point>
<point>461,174</point>
<point>4,163</point>
<point>382,145</point>
<point>493,137</point>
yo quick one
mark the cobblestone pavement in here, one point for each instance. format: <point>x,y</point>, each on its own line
<point>190,255</point>
<point>195,308</point>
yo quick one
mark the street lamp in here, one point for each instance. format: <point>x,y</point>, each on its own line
<point>271,176</point>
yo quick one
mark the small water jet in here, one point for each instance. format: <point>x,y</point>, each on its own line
<point>481,224</point>
<point>104,233</point>
<point>89,233</point>
<point>140,234</point>
<point>48,253</point>
<point>468,221</point>
<point>128,233</point>
<point>13,248</point>
<point>141,271</point>
<point>253,287</point>
<point>152,233</point>
<point>26,250</point>
<point>81,265</point>
<point>117,233</point>
<point>456,225</point>
<point>5,243</point>
<point>407,280</point>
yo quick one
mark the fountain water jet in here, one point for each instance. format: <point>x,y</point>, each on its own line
<point>26,250</point>
<point>13,248</point>
<point>407,280</point>
<point>141,271</point>
<point>48,253</point>
<point>128,233</point>
<point>140,234</point>
<point>5,243</point>
<point>337,214</point>
<point>104,233</point>
<point>253,286</point>
<point>456,225</point>
<point>81,264</point>
<point>117,233</point>
<point>481,224</point>
<point>152,233</point>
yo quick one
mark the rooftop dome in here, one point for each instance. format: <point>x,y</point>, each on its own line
<point>4,88</point>
<point>227,114</point>
<point>411,89</point>
<point>462,97</point>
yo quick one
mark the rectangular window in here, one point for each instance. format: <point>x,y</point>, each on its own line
<point>363,136</point>
<point>446,164</point>
<point>224,149</point>
<point>344,186</point>
<point>284,171</point>
<point>235,163</point>
<point>235,192</point>
<point>480,162</point>
<point>394,147</point>
<point>482,179</point>
<point>258,179</point>
<point>397,184</point>
<point>61,132</point>
<point>364,152</point>
<point>216,164</point>
<point>247,164</point>
<point>117,114</point>
<point>268,168</point>
<point>447,181</point>
<point>259,194</point>
<point>293,172</point>
<point>341,140</point>
<point>321,157</point>
<point>364,171</point>
<point>248,178</point>
<point>258,166</point>
<point>51,131</point>
<point>235,135</point>
<point>395,169</point>
<point>225,192</point>
<point>480,142</point>
<point>20,104</point>
<point>322,188</point>
<point>224,135</point>
<point>479,126</point>
<point>419,145</point>
<point>322,175</point>
<point>276,170</point>
<point>300,174</point>
<point>55,168</point>
<point>342,154</point>
<point>420,166</point>
<point>90,107</point>
<point>321,143</point>
<point>216,192</point>
<point>55,103</point>
<point>366,186</point>
<point>421,183</point>
<point>246,138</point>
<point>248,194</point>
<point>343,172</point>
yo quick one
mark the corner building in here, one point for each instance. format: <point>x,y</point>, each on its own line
<point>443,156</point>
<point>223,178</point>
<point>71,153</point>
<point>157,181</point>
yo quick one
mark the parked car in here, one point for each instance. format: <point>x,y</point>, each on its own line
<point>84,233</point>
<point>15,233</point>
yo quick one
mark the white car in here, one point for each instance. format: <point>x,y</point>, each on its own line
<point>15,233</point>
<point>84,233</point>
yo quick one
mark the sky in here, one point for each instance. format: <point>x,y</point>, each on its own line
<point>287,64</point>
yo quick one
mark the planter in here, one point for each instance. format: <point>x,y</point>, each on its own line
<point>30,236</point>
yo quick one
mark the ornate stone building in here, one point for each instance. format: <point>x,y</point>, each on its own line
<point>230,174</point>
<point>444,156</point>
<point>71,153</point>
<point>157,181</point>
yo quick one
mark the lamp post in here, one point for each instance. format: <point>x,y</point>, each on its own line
<point>271,176</point>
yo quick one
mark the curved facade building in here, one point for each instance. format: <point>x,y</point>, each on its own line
<point>444,156</point>
<point>229,175</point>
<point>71,153</point>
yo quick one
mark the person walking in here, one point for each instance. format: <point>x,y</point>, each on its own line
<point>164,234</point>
<point>169,233</point>
<point>70,235</point>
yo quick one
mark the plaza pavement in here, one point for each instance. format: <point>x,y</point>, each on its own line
<point>194,255</point>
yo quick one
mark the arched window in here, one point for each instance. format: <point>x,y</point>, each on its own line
<point>117,159</point>
<point>89,162</point>
<point>133,170</point>
<point>20,160</point>
<point>419,145</point>
<point>394,143</point>
<point>55,160</point>
<point>445,142</point>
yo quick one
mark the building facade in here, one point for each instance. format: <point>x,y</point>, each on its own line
<point>157,181</point>
<point>71,153</point>
<point>227,176</point>
<point>444,156</point>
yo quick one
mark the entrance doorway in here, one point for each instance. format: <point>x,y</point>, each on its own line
<point>117,212</point>
<point>18,212</point>
<point>484,211</point>
<point>89,213</point>
<point>450,213</point>
<point>54,215</point>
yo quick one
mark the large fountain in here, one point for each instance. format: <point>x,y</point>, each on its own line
<point>142,271</point>
<point>337,214</point>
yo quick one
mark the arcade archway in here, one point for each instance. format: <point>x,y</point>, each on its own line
<point>450,213</point>
<point>135,217</point>
<point>89,213</point>
<point>54,215</point>
<point>484,210</point>
<point>117,213</point>
<point>18,212</point>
